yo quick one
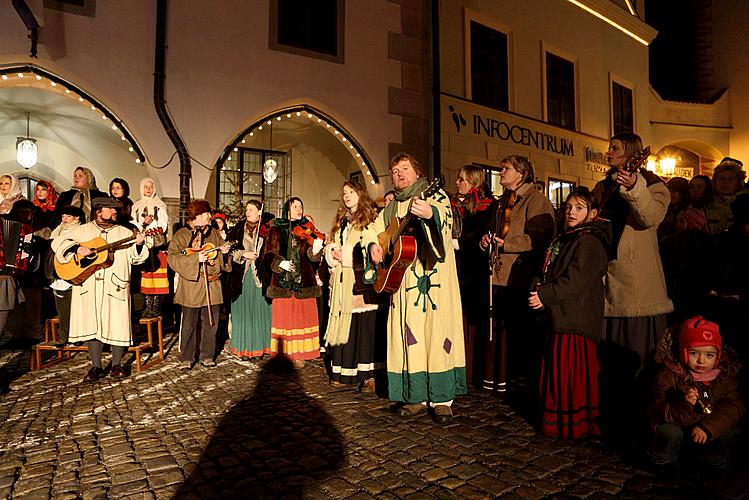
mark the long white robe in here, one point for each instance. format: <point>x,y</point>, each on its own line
<point>100,306</point>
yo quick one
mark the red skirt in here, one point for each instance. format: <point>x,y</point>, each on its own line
<point>569,387</point>
<point>295,332</point>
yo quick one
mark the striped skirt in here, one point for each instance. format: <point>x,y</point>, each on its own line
<point>157,282</point>
<point>569,387</point>
<point>295,330</point>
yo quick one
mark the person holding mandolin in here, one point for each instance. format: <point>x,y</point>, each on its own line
<point>637,304</point>
<point>520,230</point>
<point>100,305</point>
<point>196,253</point>
<point>426,352</point>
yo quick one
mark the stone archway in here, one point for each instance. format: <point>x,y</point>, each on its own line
<point>693,154</point>
<point>318,152</point>
<point>71,127</point>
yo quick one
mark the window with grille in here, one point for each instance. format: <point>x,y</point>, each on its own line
<point>621,106</point>
<point>308,27</point>
<point>558,191</point>
<point>240,180</point>
<point>560,91</point>
<point>489,67</point>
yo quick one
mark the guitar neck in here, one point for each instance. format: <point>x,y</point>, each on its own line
<point>114,244</point>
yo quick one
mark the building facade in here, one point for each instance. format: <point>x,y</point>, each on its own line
<point>326,92</point>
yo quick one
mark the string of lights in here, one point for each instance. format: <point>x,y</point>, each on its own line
<point>316,117</point>
<point>16,74</point>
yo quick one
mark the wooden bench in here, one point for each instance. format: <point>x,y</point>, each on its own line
<point>51,340</point>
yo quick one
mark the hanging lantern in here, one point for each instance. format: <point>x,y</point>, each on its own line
<point>26,150</point>
<point>270,170</point>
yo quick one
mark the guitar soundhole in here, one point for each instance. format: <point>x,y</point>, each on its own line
<point>87,261</point>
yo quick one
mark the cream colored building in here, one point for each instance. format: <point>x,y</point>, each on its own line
<point>573,73</point>
<point>338,112</point>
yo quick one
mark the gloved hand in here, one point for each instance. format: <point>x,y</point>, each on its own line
<point>287,265</point>
<point>317,246</point>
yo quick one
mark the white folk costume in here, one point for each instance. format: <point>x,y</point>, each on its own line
<point>426,352</point>
<point>100,306</point>
<point>153,284</point>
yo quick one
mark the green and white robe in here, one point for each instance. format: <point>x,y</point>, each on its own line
<point>426,351</point>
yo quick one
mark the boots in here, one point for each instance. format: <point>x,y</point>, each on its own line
<point>156,307</point>
<point>148,309</point>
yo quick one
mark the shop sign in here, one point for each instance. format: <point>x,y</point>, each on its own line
<point>461,117</point>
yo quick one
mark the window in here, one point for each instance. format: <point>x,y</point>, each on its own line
<point>621,105</point>
<point>241,180</point>
<point>489,67</point>
<point>80,7</point>
<point>308,27</point>
<point>28,187</point>
<point>558,191</point>
<point>560,91</point>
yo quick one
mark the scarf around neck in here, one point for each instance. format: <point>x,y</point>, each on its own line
<point>406,194</point>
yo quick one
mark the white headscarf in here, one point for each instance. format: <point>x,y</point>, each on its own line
<point>150,205</point>
<point>6,202</point>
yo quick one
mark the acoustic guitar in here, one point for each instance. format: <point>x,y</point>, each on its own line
<point>399,249</point>
<point>631,165</point>
<point>78,269</point>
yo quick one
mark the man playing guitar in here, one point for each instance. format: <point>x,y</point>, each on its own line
<point>100,306</point>
<point>426,355</point>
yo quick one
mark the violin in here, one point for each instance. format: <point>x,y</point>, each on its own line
<point>308,233</point>
<point>502,227</point>
<point>209,249</point>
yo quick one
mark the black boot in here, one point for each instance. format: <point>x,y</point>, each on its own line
<point>148,307</point>
<point>156,307</point>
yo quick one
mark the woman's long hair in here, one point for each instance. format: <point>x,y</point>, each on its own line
<point>365,210</point>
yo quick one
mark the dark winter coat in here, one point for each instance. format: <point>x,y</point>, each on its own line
<point>572,290</point>
<point>283,246</point>
<point>673,381</point>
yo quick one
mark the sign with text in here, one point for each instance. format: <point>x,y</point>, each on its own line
<point>468,119</point>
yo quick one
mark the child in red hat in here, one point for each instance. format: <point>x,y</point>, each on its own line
<point>697,403</point>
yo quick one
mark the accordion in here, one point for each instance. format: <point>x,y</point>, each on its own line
<point>15,243</point>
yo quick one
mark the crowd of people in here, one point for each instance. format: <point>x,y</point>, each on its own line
<point>603,321</point>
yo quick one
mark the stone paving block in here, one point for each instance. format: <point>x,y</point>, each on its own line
<point>24,486</point>
<point>529,492</point>
<point>470,492</point>
<point>467,471</point>
<point>452,482</point>
<point>491,484</point>
<point>338,488</point>
<point>552,462</point>
<point>372,486</point>
<point>403,491</point>
<point>128,477</point>
<point>160,463</point>
<point>166,478</point>
<point>130,488</point>
<point>434,474</point>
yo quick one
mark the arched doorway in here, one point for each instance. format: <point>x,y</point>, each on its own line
<point>691,157</point>
<point>70,126</point>
<point>314,156</point>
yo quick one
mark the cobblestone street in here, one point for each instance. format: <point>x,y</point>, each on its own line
<point>244,430</point>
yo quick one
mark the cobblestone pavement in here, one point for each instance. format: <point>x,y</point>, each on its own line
<point>244,430</point>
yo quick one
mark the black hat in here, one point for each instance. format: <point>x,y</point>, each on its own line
<point>74,211</point>
<point>104,202</point>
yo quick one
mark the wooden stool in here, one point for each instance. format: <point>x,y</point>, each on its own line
<point>149,344</point>
<point>50,330</point>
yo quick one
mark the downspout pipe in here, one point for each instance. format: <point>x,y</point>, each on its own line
<point>436,91</point>
<point>159,101</point>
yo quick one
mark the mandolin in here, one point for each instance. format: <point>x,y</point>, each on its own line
<point>78,269</point>
<point>631,165</point>
<point>399,249</point>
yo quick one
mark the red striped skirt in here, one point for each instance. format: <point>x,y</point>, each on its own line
<point>157,282</point>
<point>295,328</point>
<point>569,387</point>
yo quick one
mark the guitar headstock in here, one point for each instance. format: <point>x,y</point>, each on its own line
<point>154,231</point>
<point>636,160</point>
<point>434,186</point>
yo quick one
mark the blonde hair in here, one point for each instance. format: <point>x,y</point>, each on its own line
<point>473,174</point>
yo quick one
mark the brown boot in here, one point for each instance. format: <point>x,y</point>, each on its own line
<point>410,409</point>
<point>443,414</point>
<point>367,385</point>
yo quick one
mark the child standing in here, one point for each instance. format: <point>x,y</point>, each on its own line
<point>572,291</point>
<point>697,405</point>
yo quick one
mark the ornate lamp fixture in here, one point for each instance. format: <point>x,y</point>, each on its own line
<point>26,150</point>
<point>270,170</point>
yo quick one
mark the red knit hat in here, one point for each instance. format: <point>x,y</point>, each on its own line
<point>699,332</point>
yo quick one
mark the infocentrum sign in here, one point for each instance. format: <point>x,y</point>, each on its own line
<point>467,119</point>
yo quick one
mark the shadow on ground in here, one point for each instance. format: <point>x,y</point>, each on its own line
<point>274,443</point>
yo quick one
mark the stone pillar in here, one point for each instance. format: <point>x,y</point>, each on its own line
<point>412,101</point>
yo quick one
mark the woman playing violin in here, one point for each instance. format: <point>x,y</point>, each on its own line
<point>188,259</point>
<point>293,286</point>
<point>519,248</point>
